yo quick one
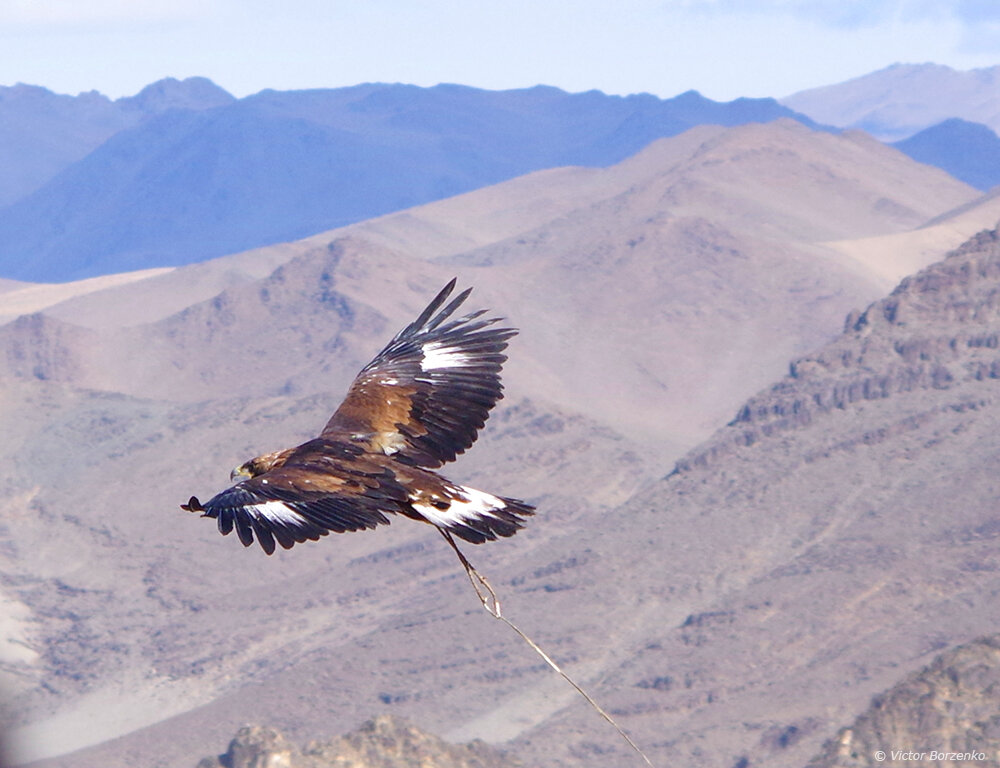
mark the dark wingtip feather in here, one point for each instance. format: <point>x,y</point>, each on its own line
<point>243,529</point>
<point>448,311</point>
<point>431,308</point>
<point>264,537</point>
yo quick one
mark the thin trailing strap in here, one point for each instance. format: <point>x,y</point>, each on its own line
<point>491,603</point>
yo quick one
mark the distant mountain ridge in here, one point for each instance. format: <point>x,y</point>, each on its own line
<point>183,171</point>
<point>968,151</point>
<point>42,132</point>
<point>210,175</point>
<point>903,99</point>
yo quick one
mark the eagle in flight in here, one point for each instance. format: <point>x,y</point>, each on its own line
<point>420,403</point>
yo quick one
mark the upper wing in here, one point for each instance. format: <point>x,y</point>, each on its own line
<point>312,495</point>
<point>424,398</point>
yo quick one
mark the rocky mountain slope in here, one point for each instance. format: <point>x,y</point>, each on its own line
<point>898,101</point>
<point>653,297</point>
<point>949,706</point>
<point>836,535</point>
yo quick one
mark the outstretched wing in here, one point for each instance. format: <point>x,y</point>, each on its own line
<point>424,398</point>
<point>315,493</point>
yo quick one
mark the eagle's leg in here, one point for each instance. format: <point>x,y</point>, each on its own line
<point>489,600</point>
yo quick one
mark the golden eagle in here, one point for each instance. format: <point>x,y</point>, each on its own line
<point>417,405</point>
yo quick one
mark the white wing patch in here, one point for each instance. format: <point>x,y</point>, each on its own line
<point>467,504</point>
<point>438,355</point>
<point>276,512</point>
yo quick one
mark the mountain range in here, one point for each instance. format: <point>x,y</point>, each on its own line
<point>903,99</point>
<point>733,595</point>
<point>193,174</point>
<point>933,113</point>
<point>184,172</point>
<point>42,133</point>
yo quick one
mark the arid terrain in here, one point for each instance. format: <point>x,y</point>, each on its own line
<point>947,712</point>
<point>732,555</point>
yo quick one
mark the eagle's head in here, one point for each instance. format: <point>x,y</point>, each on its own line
<point>259,465</point>
<point>244,471</point>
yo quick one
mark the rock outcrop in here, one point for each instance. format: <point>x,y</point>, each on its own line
<point>385,742</point>
<point>946,714</point>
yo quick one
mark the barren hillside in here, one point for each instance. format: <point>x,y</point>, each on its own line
<point>653,298</point>
<point>836,535</point>
<point>946,712</point>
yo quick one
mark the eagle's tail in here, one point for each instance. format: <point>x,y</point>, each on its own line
<point>475,516</point>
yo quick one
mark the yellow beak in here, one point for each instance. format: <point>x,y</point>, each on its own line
<point>240,473</point>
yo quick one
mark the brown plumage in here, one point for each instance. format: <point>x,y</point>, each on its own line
<point>420,403</point>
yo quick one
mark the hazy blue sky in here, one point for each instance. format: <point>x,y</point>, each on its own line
<point>723,48</point>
